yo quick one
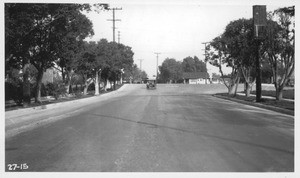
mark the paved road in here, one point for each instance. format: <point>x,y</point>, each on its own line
<point>175,128</point>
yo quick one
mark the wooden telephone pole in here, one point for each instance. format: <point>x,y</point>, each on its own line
<point>157,63</point>
<point>141,60</point>
<point>259,22</point>
<point>205,58</point>
<point>114,21</point>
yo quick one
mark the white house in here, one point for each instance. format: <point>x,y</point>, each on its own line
<point>196,78</point>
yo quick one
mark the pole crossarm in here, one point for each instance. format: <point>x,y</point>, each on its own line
<point>114,20</point>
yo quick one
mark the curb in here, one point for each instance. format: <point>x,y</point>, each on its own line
<point>272,108</point>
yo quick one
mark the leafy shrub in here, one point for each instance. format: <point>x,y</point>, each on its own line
<point>55,89</point>
<point>91,87</point>
<point>58,89</point>
<point>14,91</point>
<point>78,94</point>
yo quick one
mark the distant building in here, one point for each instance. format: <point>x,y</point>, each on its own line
<point>196,78</point>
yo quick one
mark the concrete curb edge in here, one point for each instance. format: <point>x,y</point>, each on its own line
<point>272,108</point>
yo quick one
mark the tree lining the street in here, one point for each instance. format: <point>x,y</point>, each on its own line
<point>236,48</point>
<point>104,61</point>
<point>135,74</point>
<point>119,59</point>
<point>218,55</point>
<point>171,70</point>
<point>242,48</point>
<point>37,31</point>
<point>279,47</point>
<point>43,36</point>
<point>193,64</point>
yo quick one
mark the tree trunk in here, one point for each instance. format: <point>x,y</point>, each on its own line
<point>114,84</point>
<point>105,85</point>
<point>236,86</point>
<point>111,85</point>
<point>39,86</point>
<point>279,93</point>
<point>69,79</point>
<point>85,89</point>
<point>276,83</point>
<point>248,89</point>
<point>63,74</point>
<point>86,85</point>
<point>26,83</point>
<point>97,83</point>
<point>71,88</point>
<point>68,86</point>
<point>231,89</point>
<point>246,74</point>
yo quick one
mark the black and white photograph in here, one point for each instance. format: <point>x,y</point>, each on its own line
<point>154,88</point>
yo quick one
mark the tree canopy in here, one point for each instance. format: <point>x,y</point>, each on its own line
<point>190,64</point>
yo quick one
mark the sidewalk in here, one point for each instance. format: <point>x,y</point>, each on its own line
<point>18,121</point>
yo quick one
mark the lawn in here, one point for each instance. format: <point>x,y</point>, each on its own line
<point>287,94</point>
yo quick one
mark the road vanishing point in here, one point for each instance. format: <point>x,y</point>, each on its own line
<point>175,128</point>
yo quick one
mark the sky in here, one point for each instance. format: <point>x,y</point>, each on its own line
<point>176,29</point>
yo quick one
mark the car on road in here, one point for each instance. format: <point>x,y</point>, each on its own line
<point>151,83</point>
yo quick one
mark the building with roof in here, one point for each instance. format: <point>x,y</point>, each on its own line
<point>196,78</point>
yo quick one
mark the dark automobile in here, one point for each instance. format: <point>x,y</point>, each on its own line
<point>151,83</point>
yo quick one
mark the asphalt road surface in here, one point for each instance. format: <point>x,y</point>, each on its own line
<point>177,128</point>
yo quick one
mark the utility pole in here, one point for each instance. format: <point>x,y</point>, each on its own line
<point>205,58</point>
<point>114,21</point>
<point>157,63</point>
<point>119,37</point>
<point>141,60</point>
<point>259,22</point>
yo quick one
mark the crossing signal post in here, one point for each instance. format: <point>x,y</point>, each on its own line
<point>259,24</point>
